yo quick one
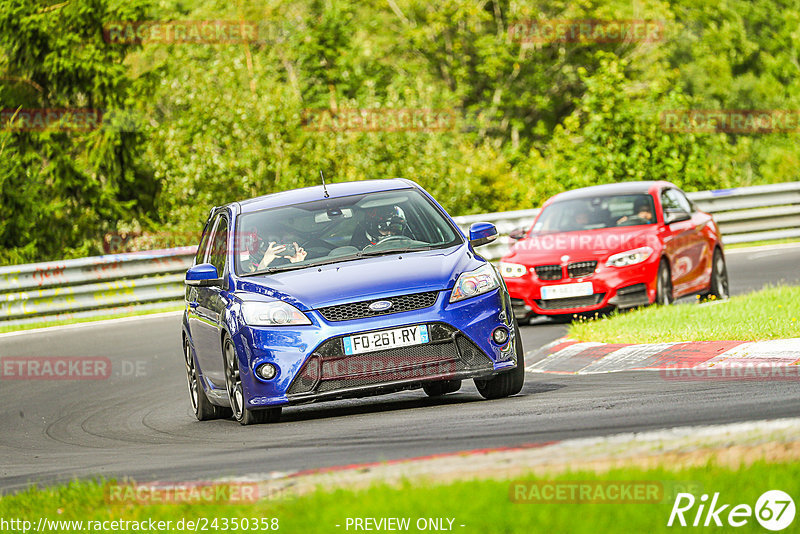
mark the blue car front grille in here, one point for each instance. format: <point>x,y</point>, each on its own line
<point>360,310</point>
<point>448,352</point>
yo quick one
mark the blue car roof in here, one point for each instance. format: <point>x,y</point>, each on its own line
<point>335,190</point>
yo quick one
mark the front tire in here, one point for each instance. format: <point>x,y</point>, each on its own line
<point>508,383</point>
<point>664,293</point>
<point>718,289</point>
<point>233,383</point>
<point>202,407</point>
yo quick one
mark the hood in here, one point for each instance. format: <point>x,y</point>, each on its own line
<point>544,249</point>
<point>365,278</point>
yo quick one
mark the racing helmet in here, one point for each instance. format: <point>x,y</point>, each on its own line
<point>386,220</point>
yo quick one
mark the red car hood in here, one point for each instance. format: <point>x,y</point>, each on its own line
<point>549,248</point>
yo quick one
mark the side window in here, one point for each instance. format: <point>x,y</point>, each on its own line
<point>683,201</point>
<point>201,248</point>
<point>219,245</point>
<point>669,200</point>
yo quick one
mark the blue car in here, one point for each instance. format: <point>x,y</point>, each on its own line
<point>357,289</point>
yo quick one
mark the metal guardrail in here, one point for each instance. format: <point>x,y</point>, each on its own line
<point>87,287</point>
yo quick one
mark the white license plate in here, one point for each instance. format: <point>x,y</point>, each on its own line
<point>563,291</point>
<point>386,339</point>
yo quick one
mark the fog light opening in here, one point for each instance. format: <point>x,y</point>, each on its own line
<point>500,335</point>
<point>266,371</point>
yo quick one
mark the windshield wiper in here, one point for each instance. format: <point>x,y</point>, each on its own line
<point>392,251</point>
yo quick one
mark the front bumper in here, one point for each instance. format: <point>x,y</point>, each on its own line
<point>620,287</point>
<point>312,365</point>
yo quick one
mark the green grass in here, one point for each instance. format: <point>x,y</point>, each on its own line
<point>31,326</point>
<point>482,506</point>
<point>771,313</point>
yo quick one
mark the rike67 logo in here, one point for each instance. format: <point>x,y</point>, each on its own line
<point>774,510</point>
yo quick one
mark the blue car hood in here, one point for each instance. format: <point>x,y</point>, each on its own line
<point>365,278</point>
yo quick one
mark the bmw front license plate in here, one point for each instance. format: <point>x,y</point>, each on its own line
<point>386,339</point>
<point>564,291</point>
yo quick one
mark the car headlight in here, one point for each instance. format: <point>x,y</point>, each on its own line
<point>276,313</point>
<point>629,257</point>
<point>512,270</point>
<point>473,283</point>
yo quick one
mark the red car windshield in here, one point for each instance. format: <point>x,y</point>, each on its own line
<point>595,213</point>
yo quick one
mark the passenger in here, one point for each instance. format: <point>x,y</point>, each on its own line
<point>267,254</point>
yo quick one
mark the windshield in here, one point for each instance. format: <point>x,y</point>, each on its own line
<point>595,213</point>
<point>340,229</point>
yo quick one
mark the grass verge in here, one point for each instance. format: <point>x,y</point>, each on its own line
<point>771,313</point>
<point>133,313</point>
<point>484,506</point>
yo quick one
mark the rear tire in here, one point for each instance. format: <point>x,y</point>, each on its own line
<point>437,389</point>
<point>508,383</point>
<point>664,293</point>
<point>718,289</point>
<point>202,407</point>
<point>233,383</point>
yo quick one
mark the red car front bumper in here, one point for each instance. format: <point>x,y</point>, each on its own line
<point>621,287</point>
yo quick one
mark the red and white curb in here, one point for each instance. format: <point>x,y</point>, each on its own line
<point>763,358</point>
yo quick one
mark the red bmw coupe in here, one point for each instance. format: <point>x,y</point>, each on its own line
<point>617,245</point>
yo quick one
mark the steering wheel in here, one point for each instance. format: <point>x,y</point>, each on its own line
<point>388,239</point>
<point>632,220</point>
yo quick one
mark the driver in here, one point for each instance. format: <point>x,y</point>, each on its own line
<point>641,211</point>
<point>385,222</point>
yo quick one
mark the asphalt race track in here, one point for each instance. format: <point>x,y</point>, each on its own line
<point>137,423</point>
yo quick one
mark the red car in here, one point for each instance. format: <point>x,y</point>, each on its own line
<point>618,245</point>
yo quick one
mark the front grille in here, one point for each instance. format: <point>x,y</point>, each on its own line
<point>571,302</point>
<point>447,352</point>
<point>360,310</point>
<point>580,269</point>
<point>548,272</point>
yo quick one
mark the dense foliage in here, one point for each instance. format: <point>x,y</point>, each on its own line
<point>191,125</point>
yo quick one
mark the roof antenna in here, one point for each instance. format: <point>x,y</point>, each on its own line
<point>324,187</point>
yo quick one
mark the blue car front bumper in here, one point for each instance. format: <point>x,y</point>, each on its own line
<point>311,364</point>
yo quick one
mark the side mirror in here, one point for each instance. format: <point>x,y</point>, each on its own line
<point>481,233</point>
<point>673,215</point>
<point>518,233</point>
<point>202,275</point>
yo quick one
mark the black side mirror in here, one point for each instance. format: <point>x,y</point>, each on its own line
<point>518,233</point>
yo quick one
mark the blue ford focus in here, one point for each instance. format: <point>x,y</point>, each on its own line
<point>356,289</point>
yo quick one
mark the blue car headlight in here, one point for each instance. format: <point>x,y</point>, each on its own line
<point>276,313</point>
<point>474,283</point>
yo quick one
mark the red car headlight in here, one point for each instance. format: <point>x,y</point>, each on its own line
<point>629,257</point>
